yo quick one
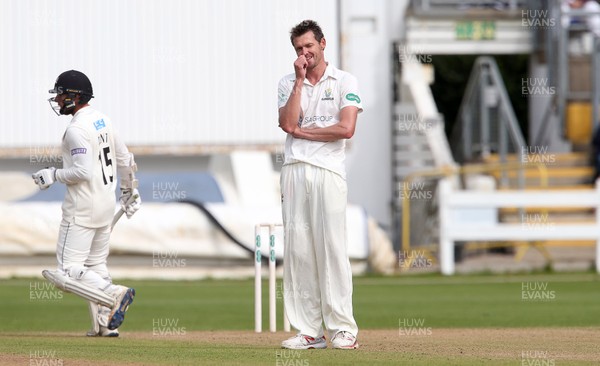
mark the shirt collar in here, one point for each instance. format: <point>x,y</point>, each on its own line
<point>330,71</point>
<point>81,111</point>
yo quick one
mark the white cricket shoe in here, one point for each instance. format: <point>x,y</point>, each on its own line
<point>99,314</point>
<point>344,340</point>
<point>103,332</point>
<point>301,341</point>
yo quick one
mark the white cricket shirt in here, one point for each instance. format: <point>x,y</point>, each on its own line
<point>321,105</point>
<point>91,152</point>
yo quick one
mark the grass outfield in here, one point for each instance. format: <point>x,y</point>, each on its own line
<point>403,320</point>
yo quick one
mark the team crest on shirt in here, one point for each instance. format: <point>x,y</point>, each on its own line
<point>328,94</point>
<point>99,124</point>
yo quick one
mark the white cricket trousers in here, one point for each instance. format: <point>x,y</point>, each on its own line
<point>82,252</point>
<point>317,279</point>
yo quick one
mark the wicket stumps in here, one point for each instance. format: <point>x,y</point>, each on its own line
<point>272,281</point>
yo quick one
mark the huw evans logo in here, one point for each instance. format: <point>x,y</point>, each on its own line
<point>290,291</point>
<point>414,259</point>
<point>167,327</point>
<point>411,54</point>
<point>413,123</point>
<point>290,358</point>
<point>167,259</point>
<point>537,154</point>
<point>537,291</point>
<point>167,191</point>
<point>413,327</point>
<point>537,87</point>
<point>536,358</point>
<point>44,291</point>
<point>536,18</point>
<point>537,221</point>
<point>415,191</point>
<point>44,358</point>
<point>45,155</point>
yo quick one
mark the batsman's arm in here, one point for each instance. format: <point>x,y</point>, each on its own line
<point>78,144</point>
<point>126,166</point>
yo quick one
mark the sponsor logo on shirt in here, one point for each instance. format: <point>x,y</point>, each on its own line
<point>317,119</point>
<point>327,94</point>
<point>353,97</point>
<point>99,124</point>
<point>79,150</point>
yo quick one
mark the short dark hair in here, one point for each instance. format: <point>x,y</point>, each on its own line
<point>305,26</point>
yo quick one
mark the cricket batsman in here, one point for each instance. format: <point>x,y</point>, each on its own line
<point>92,155</point>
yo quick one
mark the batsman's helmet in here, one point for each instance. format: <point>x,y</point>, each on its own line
<point>71,83</point>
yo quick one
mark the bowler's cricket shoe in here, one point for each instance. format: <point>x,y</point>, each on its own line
<point>123,300</point>
<point>344,340</point>
<point>301,341</point>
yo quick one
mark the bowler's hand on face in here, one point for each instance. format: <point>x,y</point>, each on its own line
<point>300,66</point>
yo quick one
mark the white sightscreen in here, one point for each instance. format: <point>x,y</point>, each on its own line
<point>178,72</point>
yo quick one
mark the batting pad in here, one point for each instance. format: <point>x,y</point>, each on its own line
<point>93,308</point>
<point>65,283</point>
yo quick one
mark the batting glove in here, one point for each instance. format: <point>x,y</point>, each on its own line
<point>130,201</point>
<point>45,177</point>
